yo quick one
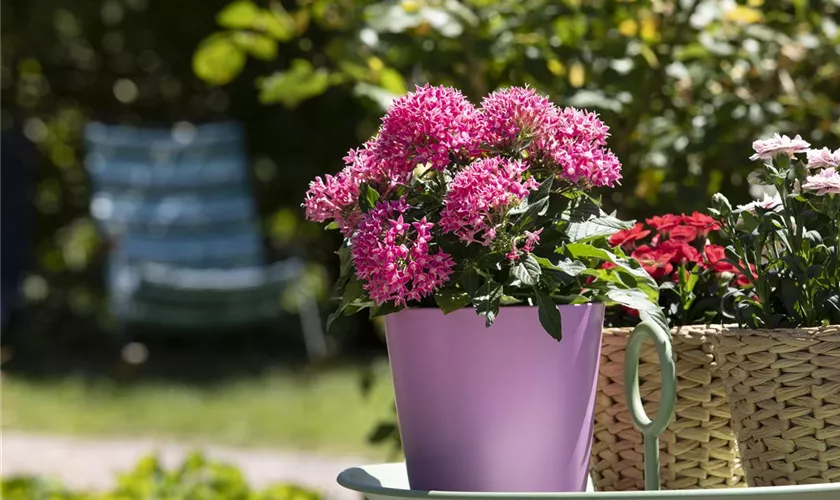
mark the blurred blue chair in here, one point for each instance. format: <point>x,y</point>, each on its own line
<point>17,180</point>
<point>187,253</point>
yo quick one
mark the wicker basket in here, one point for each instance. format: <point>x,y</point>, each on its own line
<point>783,388</point>
<point>698,449</point>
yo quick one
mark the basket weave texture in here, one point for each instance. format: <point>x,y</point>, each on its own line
<point>783,387</point>
<point>698,449</point>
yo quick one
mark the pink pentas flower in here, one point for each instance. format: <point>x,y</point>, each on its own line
<point>825,182</point>
<point>779,145</point>
<point>430,125</point>
<point>479,197</point>
<point>336,197</point>
<point>584,164</point>
<point>582,125</point>
<point>531,241</point>
<point>823,158</point>
<point>516,114</point>
<point>575,144</point>
<point>394,258</point>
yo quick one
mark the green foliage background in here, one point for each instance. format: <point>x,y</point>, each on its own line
<point>196,479</point>
<point>686,86</point>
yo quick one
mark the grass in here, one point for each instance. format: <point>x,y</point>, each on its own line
<point>323,411</point>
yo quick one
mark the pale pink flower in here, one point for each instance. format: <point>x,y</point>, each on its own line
<point>773,203</point>
<point>430,125</point>
<point>479,196</point>
<point>778,145</point>
<point>823,158</point>
<point>394,257</point>
<point>825,182</point>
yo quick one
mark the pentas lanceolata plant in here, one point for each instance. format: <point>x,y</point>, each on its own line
<point>681,253</point>
<point>452,205</point>
<point>791,238</point>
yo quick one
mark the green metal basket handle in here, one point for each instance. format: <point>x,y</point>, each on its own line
<point>650,429</point>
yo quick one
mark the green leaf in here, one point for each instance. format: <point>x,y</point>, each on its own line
<point>487,301</point>
<point>528,271</point>
<point>277,23</point>
<point>381,97</point>
<point>581,209</point>
<point>352,292</point>
<point>470,281</point>
<point>259,46</point>
<point>300,82</point>
<point>634,299</point>
<point>238,15</point>
<point>367,197</point>
<point>384,310</point>
<point>549,314</point>
<point>451,299</point>
<point>598,227</point>
<point>218,60</point>
<point>535,205</point>
<point>583,250</point>
<point>392,81</point>
<point>345,269</point>
<point>570,267</point>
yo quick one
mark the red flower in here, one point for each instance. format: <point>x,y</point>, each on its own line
<point>656,262</point>
<point>631,312</point>
<point>684,233</point>
<point>628,237</point>
<point>702,222</point>
<point>681,252</point>
<point>665,223</point>
<point>714,256</point>
<point>742,280</point>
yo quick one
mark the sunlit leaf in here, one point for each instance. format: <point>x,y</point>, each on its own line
<point>259,46</point>
<point>300,82</point>
<point>744,15</point>
<point>237,15</point>
<point>218,60</point>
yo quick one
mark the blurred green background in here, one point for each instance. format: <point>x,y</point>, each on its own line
<point>685,85</point>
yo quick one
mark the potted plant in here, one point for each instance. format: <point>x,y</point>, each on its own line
<point>698,449</point>
<point>457,218</point>
<point>781,362</point>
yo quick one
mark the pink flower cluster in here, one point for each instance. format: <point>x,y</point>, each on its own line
<point>336,197</point>
<point>571,141</point>
<point>393,257</point>
<point>479,196</point>
<point>431,125</point>
<point>483,162</point>
<point>514,114</point>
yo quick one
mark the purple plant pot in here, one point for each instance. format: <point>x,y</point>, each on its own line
<point>504,409</point>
